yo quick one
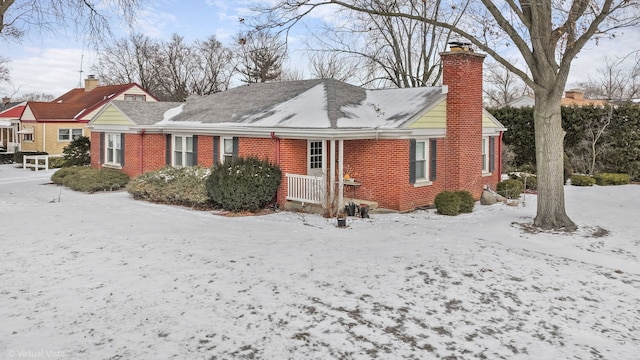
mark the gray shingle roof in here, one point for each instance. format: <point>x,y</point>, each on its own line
<point>144,112</point>
<point>323,103</point>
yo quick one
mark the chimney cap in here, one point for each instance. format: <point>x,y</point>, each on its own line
<point>460,45</point>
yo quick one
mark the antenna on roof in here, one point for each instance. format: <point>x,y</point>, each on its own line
<point>81,59</point>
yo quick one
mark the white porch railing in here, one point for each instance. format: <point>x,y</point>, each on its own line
<point>305,188</point>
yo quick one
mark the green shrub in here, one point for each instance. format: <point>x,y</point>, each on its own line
<point>511,189</point>
<point>243,184</point>
<point>58,176</point>
<point>604,179</point>
<point>86,179</point>
<point>448,203</point>
<point>582,180</point>
<point>466,201</point>
<point>56,162</point>
<point>531,182</point>
<point>177,186</point>
<point>77,153</point>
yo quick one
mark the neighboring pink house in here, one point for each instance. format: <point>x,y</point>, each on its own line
<point>393,148</point>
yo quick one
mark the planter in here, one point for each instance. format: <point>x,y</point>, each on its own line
<point>342,222</point>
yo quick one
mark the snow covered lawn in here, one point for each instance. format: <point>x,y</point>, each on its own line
<point>102,276</point>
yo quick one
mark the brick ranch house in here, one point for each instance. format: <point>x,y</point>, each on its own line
<point>394,148</point>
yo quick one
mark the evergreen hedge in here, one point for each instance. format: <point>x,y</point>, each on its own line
<point>604,179</point>
<point>582,180</point>
<point>243,184</point>
<point>177,186</point>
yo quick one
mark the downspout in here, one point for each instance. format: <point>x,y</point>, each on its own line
<point>282,192</point>
<point>44,137</point>
<point>141,155</point>
<point>277,139</point>
<point>500,156</point>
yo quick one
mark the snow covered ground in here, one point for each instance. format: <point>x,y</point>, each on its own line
<point>102,276</point>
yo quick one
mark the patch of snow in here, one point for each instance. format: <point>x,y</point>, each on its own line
<point>386,108</point>
<point>106,276</point>
<point>171,113</point>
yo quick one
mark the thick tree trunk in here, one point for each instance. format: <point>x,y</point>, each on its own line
<point>549,135</point>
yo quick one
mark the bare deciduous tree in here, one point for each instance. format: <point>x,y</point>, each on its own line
<point>4,70</point>
<point>331,65</point>
<point>616,79</point>
<point>169,70</point>
<point>502,86</point>
<point>34,96</point>
<point>18,17</point>
<point>214,67</point>
<point>547,35</point>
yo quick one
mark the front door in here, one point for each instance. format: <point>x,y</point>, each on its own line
<point>315,157</point>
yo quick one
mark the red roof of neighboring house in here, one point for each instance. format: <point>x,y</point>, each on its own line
<point>76,103</point>
<point>13,112</point>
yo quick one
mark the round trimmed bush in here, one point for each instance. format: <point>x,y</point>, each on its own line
<point>177,186</point>
<point>243,184</point>
<point>448,203</point>
<point>531,182</point>
<point>582,180</point>
<point>511,188</point>
<point>466,201</point>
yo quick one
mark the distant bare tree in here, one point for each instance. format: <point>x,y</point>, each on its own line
<point>261,56</point>
<point>291,75</point>
<point>332,65</point>
<point>34,96</point>
<point>17,17</point>
<point>4,70</point>
<point>214,68</point>
<point>615,79</point>
<point>169,70</point>
<point>178,62</point>
<point>130,60</point>
<point>501,85</point>
<point>392,51</point>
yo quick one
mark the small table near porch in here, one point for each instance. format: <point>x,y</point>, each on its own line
<point>353,185</point>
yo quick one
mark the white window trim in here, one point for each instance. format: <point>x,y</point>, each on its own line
<point>424,181</point>
<point>485,156</point>
<point>114,163</point>
<point>222,152</point>
<point>183,152</point>
<point>70,134</point>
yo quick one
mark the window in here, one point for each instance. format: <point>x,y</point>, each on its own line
<point>422,161</point>
<point>488,154</point>
<point>113,149</point>
<point>135,97</point>
<point>28,137</point>
<point>227,149</point>
<point>184,153</point>
<point>315,155</point>
<point>69,134</point>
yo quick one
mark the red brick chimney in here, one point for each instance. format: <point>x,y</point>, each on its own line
<point>462,73</point>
